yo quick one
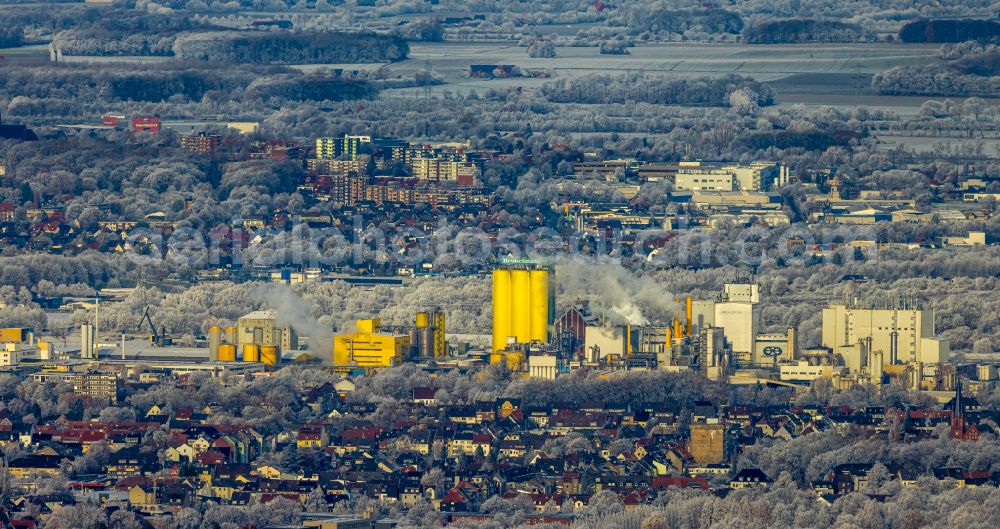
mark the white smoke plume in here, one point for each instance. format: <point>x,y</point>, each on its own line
<point>291,309</point>
<point>614,292</point>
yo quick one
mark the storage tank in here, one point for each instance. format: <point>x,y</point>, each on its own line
<point>269,355</point>
<point>540,305</point>
<point>423,320</point>
<point>251,353</point>
<point>520,305</point>
<point>501,308</point>
<point>227,353</point>
<point>515,361</point>
<point>86,341</point>
<point>232,336</point>
<point>214,341</point>
<point>425,343</point>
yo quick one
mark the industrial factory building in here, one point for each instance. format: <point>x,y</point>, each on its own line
<point>868,337</point>
<point>369,347</point>
<point>373,346</point>
<point>712,336</point>
<point>756,177</point>
<point>18,344</point>
<point>738,315</point>
<point>257,337</point>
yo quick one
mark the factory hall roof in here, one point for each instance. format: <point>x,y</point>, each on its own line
<point>260,315</point>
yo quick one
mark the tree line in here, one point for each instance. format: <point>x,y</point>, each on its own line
<point>667,18</point>
<point>800,30</point>
<point>191,81</point>
<point>291,48</point>
<point>949,30</point>
<point>126,32</point>
<point>609,89</point>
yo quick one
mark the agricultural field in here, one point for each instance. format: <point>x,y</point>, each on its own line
<point>814,74</point>
<point>926,144</point>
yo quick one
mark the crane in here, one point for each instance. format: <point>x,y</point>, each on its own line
<point>157,338</point>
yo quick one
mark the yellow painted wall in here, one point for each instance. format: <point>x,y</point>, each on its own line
<point>365,349</point>
<point>11,334</point>
<point>369,326</point>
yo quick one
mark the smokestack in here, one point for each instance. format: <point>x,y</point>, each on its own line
<point>123,346</point>
<point>893,347</point>
<point>95,333</point>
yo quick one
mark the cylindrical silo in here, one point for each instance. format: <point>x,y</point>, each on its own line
<point>86,341</point>
<point>501,308</point>
<point>250,353</point>
<point>214,341</point>
<point>520,305</point>
<point>227,353</point>
<point>540,305</point>
<point>425,337</point>
<point>269,355</point>
<point>440,346</point>
<point>232,336</point>
<point>423,320</point>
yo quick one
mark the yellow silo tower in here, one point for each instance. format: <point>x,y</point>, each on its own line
<point>540,305</point>
<point>520,305</point>
<point>522,309</point>
<point>501,308</point>
<point>440,345</point>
